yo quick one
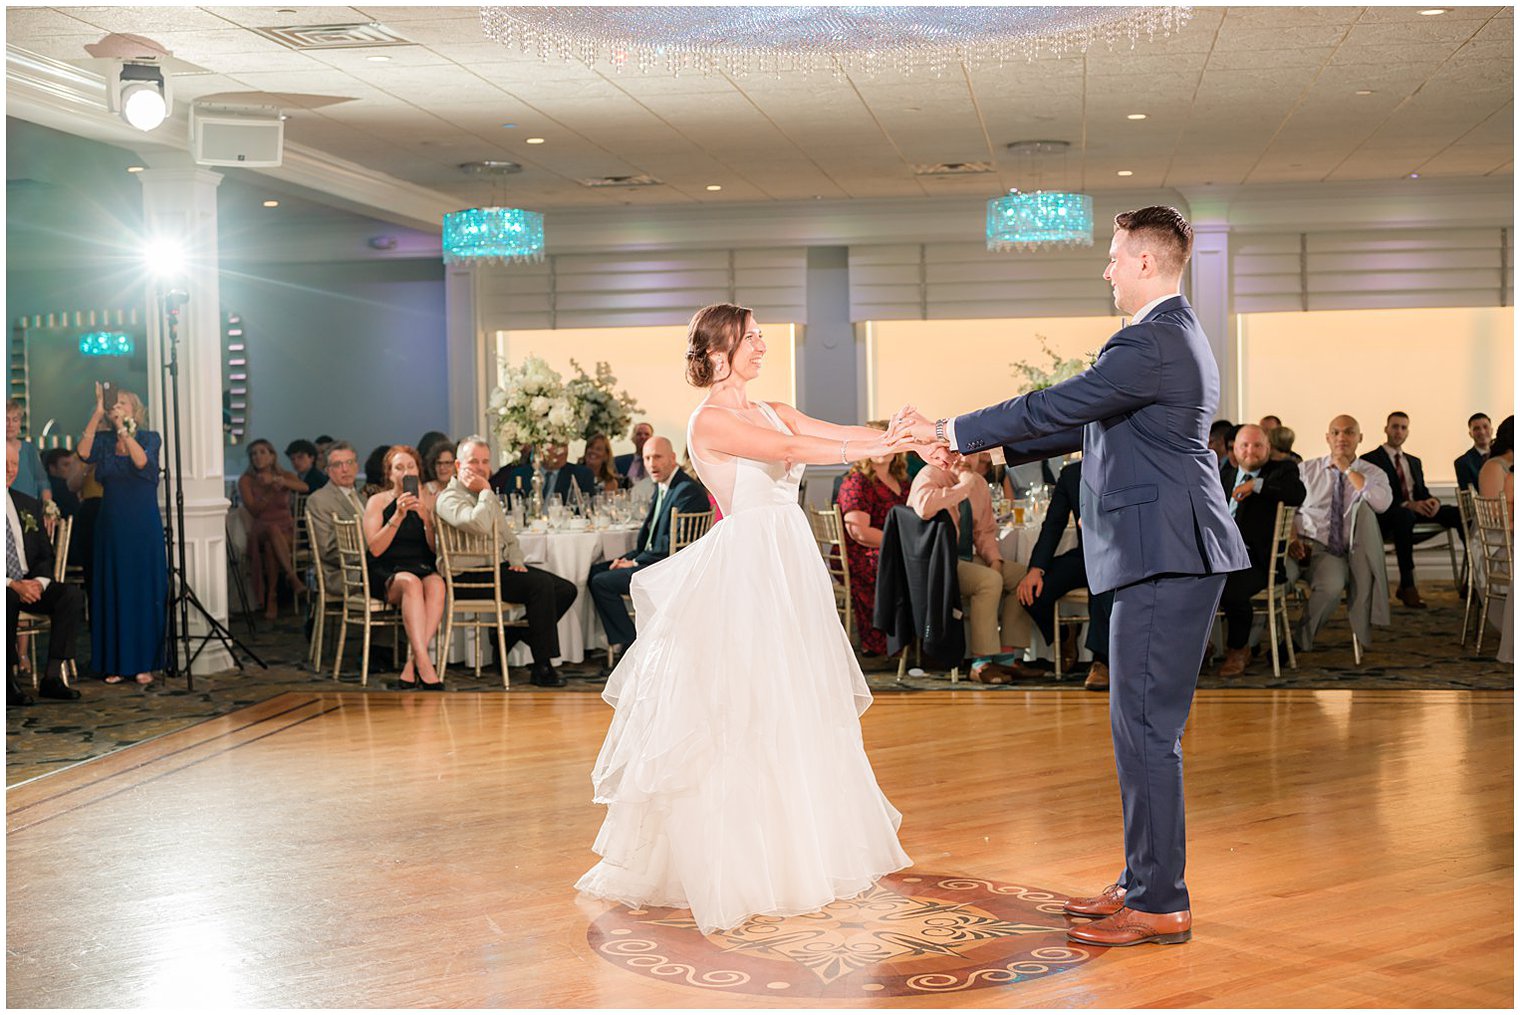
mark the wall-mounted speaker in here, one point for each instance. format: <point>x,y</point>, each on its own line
<point>233,137</point>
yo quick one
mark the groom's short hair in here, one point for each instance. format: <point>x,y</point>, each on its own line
<point>1164,231</point>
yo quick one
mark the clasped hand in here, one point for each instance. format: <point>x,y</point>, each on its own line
<point>911,430</point>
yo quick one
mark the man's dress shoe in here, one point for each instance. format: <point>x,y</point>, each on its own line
<point>1105,903</point>
<point>1132,927</point>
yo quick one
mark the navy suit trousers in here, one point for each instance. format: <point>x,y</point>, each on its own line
<point>607,588</point>
<point>1159,629</point>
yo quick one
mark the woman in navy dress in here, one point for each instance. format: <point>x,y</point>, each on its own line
<point>130,583</point>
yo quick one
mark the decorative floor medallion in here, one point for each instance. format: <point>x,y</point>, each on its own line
<point>913,934</point>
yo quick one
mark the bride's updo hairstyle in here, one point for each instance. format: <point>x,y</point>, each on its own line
<point>715,333</point>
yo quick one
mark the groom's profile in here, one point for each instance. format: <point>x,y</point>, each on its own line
<point>1156,531</point>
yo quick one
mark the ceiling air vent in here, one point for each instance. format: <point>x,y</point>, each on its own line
<point>362,35</point>
<point>623,181</point>
<point>952,169</point>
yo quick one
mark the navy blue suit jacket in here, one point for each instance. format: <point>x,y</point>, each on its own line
<point>1150,500</point>
<point>685,495</point>
<point>571,473</point>
<point>1377,456</point>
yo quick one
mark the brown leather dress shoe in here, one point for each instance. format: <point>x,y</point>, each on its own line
<point>1410,597</point>
<point>1097,677</point>
<point>1105,903</point>
<point>1131,927</point>
<point>1235,660</point>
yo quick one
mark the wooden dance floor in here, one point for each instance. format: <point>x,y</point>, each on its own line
<point>1348,848</point>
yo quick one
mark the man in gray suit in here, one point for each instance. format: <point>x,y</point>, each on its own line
<point>337,498</point>
<point>1155,530</point>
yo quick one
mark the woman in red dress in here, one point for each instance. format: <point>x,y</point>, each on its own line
<point>870,489</point>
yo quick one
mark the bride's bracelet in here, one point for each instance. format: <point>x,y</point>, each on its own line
<point>844,458</point>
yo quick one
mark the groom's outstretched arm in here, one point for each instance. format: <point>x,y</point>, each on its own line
<point>1126,376</point>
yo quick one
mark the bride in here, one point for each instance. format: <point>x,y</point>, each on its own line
<point>734,775</point>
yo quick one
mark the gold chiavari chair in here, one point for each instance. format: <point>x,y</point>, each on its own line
<point>686,527</point>
<point>359,607</point>
<point>471,563</point>
<point>33,624</point>
<point>829,534</point>
<point>1495,544</point>
<point>329,602</point>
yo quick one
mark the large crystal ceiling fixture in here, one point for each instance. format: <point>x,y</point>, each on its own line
<point>855,40</point>
<point>1039,219</point>
<point>492,234</point>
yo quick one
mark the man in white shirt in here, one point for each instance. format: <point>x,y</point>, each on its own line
<point>29,586</point>
<point>338,498</point>
<point>1335,486</point>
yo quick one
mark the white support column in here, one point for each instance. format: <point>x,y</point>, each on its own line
<point>1211,299</point>
<point>471,354</point>
<point>179,206</point>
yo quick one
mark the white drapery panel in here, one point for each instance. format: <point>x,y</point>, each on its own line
<point>617,290</point>
<point>963,281</point>
<point>1372,269</point>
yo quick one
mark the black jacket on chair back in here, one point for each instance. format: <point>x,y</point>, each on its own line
<point>917,592</point>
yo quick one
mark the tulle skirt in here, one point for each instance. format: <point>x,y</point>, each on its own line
<point>734,775</point>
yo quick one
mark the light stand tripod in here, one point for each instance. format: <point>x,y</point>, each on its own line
<point>182,598</point>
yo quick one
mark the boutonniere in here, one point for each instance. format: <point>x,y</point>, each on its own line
<point>28,521</point>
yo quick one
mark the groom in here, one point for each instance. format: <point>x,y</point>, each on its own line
<point>1155,530</point>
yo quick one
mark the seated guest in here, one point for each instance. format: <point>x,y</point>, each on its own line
<point>1254,487</point>
<point>29,586</point>
<point>430,440</point>
<point>1219,439</point>
<point>403,563</point>
<point>1497,477</point>
<point>1051,576</point>
<point>1268,423</point>
<point>468,504</point>
<point>33,480</point>
<point>1481,429</point>
<point>598,459</point>
<point>632,466</point>
<point>303,462</point>
<point>65,477</point>
<point>1412,503</point>
<point>265,491</point>
<point>609,580</point>
<point>872,487</point>
<point>374,472</point>
<point>562,477</point>
<point>336,499</point>
<point>1281,439</point>
<point>1018,480</point>
<point>438,465</point>
<point>984,576</point>
<point>323,443</point>
<point>1335,486</point>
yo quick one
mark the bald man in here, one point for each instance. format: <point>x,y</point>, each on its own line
<point>1254,487</point>
<point>1335,486</point>
<point>609,581</point>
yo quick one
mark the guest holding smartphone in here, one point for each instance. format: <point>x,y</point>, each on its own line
<point>403,568</point>
<point>129,578</point>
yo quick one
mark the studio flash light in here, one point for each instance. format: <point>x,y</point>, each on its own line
<point>139,93</point>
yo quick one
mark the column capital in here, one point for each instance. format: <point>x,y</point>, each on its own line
<point>176,168</point>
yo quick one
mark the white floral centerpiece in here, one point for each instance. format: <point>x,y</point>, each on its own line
<point>606,410</point>
<point>533,406</point>
<point>1060,369</point>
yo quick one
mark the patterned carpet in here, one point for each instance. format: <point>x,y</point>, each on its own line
<point>1419,651</point>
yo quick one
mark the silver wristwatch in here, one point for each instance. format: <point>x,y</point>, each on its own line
<point>939,430</point>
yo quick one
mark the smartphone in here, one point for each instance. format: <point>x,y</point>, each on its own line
<point>410,484</point>
<point>108,394</point>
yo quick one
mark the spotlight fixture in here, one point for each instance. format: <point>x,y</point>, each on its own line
<point>164,257</point>
<point>271,204</point>
<point>139,93</point>
<point>1126,172</point>
<point>534,140</point>
<point>714,186</point>
<point>378,59</point>
<point>1135,116</point>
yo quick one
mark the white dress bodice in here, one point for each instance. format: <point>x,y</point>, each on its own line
<point>742,484</point>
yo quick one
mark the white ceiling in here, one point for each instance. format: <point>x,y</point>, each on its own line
<point>1242,95</point>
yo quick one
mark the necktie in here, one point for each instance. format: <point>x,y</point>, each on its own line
<point>1398,467</point>
<point>1337,544</point>
<point>1239,478</point>
<point>964,548</point>
<point>654,518</point>
<point>13,568</point>
<point>550,478</point>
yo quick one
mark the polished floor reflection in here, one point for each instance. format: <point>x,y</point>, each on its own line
<point>1348,848</point>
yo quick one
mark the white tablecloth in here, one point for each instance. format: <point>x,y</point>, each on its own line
<point>570,555</point>
<point>1017,541</point>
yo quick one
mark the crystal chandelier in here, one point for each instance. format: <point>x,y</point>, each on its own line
<point>856,40</point>
<point>492,236</point>
<point>1039,220</point>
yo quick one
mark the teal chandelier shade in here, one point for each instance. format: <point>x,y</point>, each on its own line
<point>492,236</point>
<point>1039,220</point>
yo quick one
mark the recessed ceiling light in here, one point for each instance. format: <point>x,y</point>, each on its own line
<point>714,186</point>
<point>1414,176</point>
<point>378,59</point>
<point>134,169</point>
<point>271,204</point>
<point>1364,91</point>
<point>509,126</point>
<point>535,140</point>
<point>1126,172</point>
<point>1135,116</point>
<point>1430,12</point>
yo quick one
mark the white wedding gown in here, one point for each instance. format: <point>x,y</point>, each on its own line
<point>734,775</point>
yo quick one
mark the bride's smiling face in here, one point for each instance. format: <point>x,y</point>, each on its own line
<point>745,361</point>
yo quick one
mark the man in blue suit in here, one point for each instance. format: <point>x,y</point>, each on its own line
<point>1156,530</point>
<point>609,581</point>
